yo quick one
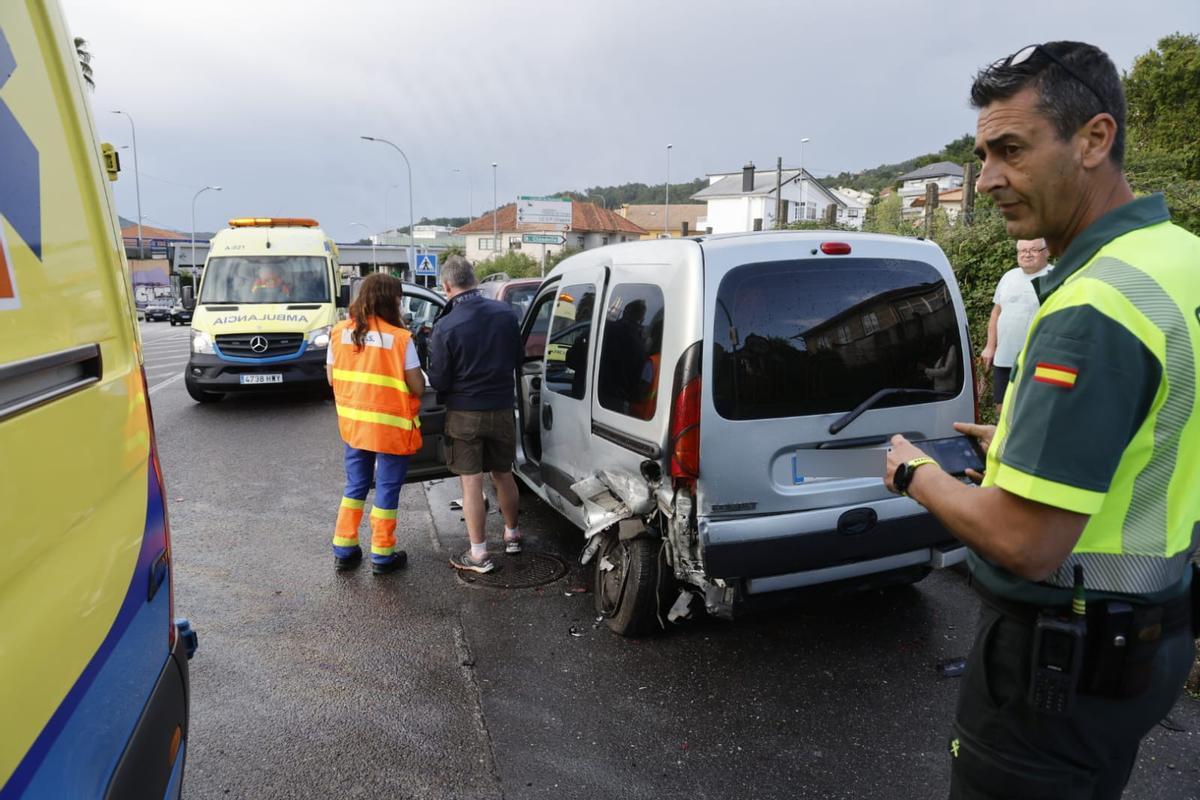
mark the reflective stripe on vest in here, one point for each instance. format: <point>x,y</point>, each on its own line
<point>1145,547</point>
<point>375,409</point>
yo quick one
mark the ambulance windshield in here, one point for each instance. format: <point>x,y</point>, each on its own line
<point>266,279</point>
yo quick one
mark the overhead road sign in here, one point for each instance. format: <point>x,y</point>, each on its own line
<point>544,211</point>
<point>543,238</point>
<point>427,264</point>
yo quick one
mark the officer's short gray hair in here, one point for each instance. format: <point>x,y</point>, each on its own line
<point>459,273</point>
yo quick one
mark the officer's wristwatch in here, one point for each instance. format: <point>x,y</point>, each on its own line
<point>904,473</point>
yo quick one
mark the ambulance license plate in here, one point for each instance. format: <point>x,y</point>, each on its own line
<point>273,378</point>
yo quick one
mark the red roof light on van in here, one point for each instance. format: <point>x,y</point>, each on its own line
<point>835,248</point>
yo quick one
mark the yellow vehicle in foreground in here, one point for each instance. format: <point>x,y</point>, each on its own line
<point>269,295</point>
<point>93,667</point>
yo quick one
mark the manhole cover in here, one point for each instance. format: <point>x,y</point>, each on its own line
<point>518,572</point>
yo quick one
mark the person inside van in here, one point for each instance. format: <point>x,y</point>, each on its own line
<point>623,359</point>
<point>377,385</point>
<point>268,287</point>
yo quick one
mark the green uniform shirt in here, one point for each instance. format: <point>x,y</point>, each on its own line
<point>1100,415</point>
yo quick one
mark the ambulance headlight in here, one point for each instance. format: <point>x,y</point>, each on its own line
<point>319,339</point>
<point>201,342</point>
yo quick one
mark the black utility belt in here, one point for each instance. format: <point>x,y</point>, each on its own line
<point>1109,652</point>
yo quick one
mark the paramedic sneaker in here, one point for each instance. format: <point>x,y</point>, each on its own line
<point>398,560</point>
<point>465,563</point>
<point>512,542</point>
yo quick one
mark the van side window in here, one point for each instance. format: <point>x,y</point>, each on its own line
<point>567,347</point>
<point>631,350</point>
<point>535,339</point>
<point>816,336</point>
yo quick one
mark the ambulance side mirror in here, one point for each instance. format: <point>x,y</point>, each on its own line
<point>343,299</point>
<point>189,298</point>
<point>112,163</point>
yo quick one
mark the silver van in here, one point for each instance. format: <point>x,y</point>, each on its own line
<point>713,413</point>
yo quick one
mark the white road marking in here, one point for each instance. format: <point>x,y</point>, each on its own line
<point>167,382</point>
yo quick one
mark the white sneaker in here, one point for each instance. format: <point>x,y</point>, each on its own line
<point>468,564</point>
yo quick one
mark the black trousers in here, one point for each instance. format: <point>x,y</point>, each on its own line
<point>1003,748</point>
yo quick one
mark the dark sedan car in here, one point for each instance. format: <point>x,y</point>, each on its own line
<point>180,315</point>
<point>158,312</point>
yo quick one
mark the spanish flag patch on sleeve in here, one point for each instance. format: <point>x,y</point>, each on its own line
<point>1055,374</point>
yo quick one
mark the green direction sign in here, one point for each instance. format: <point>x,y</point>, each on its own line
<point>542,238</point>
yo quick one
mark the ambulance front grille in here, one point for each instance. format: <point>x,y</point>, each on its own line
<point>260,345</point>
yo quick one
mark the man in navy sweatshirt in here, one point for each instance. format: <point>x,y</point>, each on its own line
<point>474,355</point>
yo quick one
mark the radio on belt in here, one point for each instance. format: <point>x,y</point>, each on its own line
<point>1058,655</point>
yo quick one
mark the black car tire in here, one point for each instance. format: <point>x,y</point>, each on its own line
<point>627,595</point>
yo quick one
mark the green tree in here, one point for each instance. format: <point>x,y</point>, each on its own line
<point>1162,151</point>
<point>553,259</point>
<point>451,250</point>
<point>883,216</point>
<point>514,263</point>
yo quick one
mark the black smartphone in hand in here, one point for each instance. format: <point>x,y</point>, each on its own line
<point>955,454</point>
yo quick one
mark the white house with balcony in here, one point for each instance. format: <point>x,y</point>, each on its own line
<point>744,201</point>
<point>945,174</point>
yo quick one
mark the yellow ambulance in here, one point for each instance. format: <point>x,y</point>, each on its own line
<point>93,667</point>
<point>269,295</point>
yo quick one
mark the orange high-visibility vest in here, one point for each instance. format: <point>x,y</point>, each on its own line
<point>376,411</point>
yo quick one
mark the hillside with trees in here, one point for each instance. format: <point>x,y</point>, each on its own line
<point>636,193</point>
<point>959,151</point>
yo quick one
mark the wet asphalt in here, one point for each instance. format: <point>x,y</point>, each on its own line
<point>313,684</point>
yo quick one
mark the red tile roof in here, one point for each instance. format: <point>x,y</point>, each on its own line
<point>585,217</point>
<point>948,196</point>
<point>650,217</point>
<point>150,232</point>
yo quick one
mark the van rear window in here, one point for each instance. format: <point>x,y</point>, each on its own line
<point>819,336</point>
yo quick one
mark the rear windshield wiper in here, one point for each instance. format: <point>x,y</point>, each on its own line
<point>872,401</point>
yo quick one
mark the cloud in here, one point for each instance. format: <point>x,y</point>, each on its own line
<point>269,98</point>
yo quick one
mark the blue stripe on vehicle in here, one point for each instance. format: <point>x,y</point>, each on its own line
<point>271,360</point>
<point>77,751</point>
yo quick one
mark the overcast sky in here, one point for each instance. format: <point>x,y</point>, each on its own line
<point>267,98</point>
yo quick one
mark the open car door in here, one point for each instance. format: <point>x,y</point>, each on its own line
<point>420,306</point>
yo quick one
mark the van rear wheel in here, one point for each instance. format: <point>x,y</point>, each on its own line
<point>199,395</point>
<point>625,584</point>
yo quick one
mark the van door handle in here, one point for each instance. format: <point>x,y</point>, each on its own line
<point>547,418</point>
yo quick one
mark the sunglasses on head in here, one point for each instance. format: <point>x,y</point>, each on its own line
<point>1027,52</point>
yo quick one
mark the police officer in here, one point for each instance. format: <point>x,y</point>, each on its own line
<point>1096,461</point>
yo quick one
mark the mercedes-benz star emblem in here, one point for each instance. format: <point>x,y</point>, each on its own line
<point>258,344</point>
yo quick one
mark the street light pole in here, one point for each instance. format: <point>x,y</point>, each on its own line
<point>194,197</point>
<point>803,183</point>
<point>495,215</point>
<point>667,211</point>
<point>603,199</point>
<point>374,263</point>
<point>470,195</point>
<point>137,181</point>
<point>412,228</point>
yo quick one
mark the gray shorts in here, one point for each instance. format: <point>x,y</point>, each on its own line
<point>480,441</point>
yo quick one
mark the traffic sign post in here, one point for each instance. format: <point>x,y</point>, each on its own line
<point>427,266</point>
<point>554,211</point>
<point>543,238</point>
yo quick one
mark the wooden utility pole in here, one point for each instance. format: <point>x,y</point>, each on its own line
<point>931,202</point>
<point>779,194</point>
<point>968,204</point>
